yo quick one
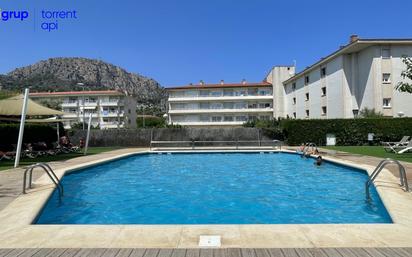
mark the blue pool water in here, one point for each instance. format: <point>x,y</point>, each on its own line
<point>215,188</point>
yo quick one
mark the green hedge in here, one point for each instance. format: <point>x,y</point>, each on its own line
<point>347,131</point>
<point>32,133</point>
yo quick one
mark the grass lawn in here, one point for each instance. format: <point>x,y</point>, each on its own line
<point>376,151</point>
<point>8,164</point>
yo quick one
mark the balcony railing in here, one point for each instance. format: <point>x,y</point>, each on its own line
<point>221,108</point>
<point>221,95</point>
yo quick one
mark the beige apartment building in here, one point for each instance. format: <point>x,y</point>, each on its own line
<point>361,74</point>
<point>109,109</point>
<point>220,104</point>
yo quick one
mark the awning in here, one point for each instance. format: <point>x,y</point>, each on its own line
<point>13,106</point>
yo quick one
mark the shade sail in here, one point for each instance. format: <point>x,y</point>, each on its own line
<point>50,120</point>
<point>12,107</point>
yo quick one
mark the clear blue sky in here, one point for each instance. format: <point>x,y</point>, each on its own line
<point>178,42</point>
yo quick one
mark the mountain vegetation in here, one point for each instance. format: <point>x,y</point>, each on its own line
<point>69,74</point>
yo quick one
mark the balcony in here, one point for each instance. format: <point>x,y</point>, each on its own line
<point>209,123</point>
<point>70,115</point>
<point>111,103</point>
<point>70,104</point>
<point>112,114</point>
<point>222,110</point>
<point>219,98</point>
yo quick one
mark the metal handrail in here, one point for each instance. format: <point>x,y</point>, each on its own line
<point>194,142</point>
<point>307,146</point>
<point>49,171</point>
<point>379,168</point>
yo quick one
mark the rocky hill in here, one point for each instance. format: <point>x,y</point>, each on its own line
<point>65,74</point>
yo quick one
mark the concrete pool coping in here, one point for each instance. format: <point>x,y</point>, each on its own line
<point>18,232</point>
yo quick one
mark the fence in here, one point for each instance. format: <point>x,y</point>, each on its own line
<point>143,137</point>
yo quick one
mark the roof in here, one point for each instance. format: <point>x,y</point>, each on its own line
<point>355,46</point>
<point>73,93</point>
<point>224,85</point>
<point>13,106</point>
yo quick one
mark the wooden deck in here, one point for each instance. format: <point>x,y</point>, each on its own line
<point>232,252</point>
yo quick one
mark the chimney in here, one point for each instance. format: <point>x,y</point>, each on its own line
<point>243,81</point>
<point>201,82</point>
<point>222,82</point>
<point>353,38</point>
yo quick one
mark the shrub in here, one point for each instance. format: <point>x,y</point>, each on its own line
<point>151,122</point>
<point>269,128</point>
<point>32,133</point>
<point>347,131</point>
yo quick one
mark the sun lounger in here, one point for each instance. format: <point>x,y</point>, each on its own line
<point>399,148</point>
<point>391,146</point>
<point>407,148</point>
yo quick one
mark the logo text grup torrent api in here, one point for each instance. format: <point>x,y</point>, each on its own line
<point>49,19</point>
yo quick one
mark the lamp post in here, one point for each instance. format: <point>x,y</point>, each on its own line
<point>82,85</point>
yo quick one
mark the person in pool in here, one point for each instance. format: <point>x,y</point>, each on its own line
<point>318,161</point>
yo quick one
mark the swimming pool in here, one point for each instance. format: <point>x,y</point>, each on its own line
<point>214,188</point>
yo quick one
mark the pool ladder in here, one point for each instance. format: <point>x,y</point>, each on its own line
<point>308,146</point>
<point>49,171</point>
<point>378,169</point>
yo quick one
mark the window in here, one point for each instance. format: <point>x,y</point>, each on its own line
<point>355,113</point>
<point>228,118</point>
<point>228,105</point>
<point>240,105</point>
<point>294,115</point>
<point>228,92</point>
<point>216,93</point>
<point>307,97</point>
<point>323,91</point>
<point>294,100</point>
<point>386,78</point>
<point>264,117</point>
<point>203,93</point>
<point>204,118</point>
<point>253,118</point>
<point>263,92</point>
<point>252,91</point>
<point>306,80</point>
<point>216,118</point>
<point>324,110</point>
<point>204,106</point>
<point>216,106</point>
<point>307,113</point>
<point>323,72</point>
<point>129,111</point>
<point>386,53</point>
<point>252,106</point>
<point>386,102</point>
<point>293,86</point>
<point>241,118</point>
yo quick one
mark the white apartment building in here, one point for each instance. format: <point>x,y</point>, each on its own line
<point>109,109</point>
<point>362,74</point>
<point>220,104</point>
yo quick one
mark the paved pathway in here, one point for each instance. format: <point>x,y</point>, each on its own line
<point>370,160</point>
<point>231,252</point>
<point>11,181</point>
